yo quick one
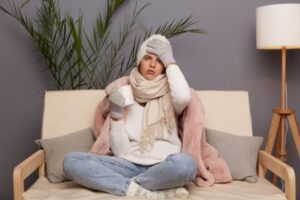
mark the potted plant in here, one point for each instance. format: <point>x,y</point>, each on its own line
<point>78,60</point>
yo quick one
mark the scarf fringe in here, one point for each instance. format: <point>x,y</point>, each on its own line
<point>156,130</point>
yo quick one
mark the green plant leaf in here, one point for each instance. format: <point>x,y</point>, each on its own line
<point>77,60</point>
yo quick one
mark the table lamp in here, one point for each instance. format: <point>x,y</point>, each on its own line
<point>278,27</point>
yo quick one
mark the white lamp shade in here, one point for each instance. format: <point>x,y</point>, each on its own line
<point>278,26</point>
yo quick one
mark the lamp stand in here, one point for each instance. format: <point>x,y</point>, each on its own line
<point>279,118</point>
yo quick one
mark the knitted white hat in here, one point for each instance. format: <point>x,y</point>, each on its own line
<point>142,51</point>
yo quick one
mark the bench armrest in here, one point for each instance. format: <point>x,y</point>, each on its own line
<point>281,169</point>
<point>26,168</point>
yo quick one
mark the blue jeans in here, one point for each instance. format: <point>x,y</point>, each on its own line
<point>113,174</point>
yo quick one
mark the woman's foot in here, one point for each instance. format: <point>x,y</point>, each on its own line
<point>135,190</point>
<point>179,192</point>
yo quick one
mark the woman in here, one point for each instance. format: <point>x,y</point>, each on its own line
<point>145,142</point>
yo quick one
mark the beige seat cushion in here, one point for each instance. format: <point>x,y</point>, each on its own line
<point>238,190</point>
<point>263,189</point>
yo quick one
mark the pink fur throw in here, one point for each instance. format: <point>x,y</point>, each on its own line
<point>210,167</point>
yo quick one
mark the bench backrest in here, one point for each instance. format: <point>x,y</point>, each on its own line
<point>73,110</point>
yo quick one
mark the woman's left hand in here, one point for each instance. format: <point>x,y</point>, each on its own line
<point>162,49</point>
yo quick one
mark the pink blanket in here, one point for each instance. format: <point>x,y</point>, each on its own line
<point>210,167</point>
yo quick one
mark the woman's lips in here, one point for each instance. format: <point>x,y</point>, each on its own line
<point>150,72</point>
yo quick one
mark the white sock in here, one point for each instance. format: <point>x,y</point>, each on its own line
<point>179,192</point>
<point>135,190</point>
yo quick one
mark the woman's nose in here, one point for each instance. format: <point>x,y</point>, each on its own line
<point>152,63</point>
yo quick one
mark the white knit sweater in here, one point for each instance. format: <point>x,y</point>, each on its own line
<point>125,135</point>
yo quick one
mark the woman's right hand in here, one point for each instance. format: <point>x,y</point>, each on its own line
<point>117,102</point>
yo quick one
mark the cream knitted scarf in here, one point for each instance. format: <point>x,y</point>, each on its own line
<point>159,110</point>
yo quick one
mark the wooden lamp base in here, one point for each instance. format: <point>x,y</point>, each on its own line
<point>279,118</point>
<point>280,115</point>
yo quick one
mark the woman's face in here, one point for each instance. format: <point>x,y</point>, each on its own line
<point>150,67</point>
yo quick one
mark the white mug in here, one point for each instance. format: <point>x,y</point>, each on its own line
<point>126,92</point>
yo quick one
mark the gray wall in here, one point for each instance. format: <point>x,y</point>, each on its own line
<point>223,59</point>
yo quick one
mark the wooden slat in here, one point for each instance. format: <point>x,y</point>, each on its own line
<point>24,169</point>
<point>281,169</point>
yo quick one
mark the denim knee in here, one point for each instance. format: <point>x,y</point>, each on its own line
<point>71,162</point>
<point>185,166</point>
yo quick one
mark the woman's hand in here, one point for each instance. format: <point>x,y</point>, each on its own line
<point>119,98</point>
<point>162,49</point>
<point>117,102</point>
